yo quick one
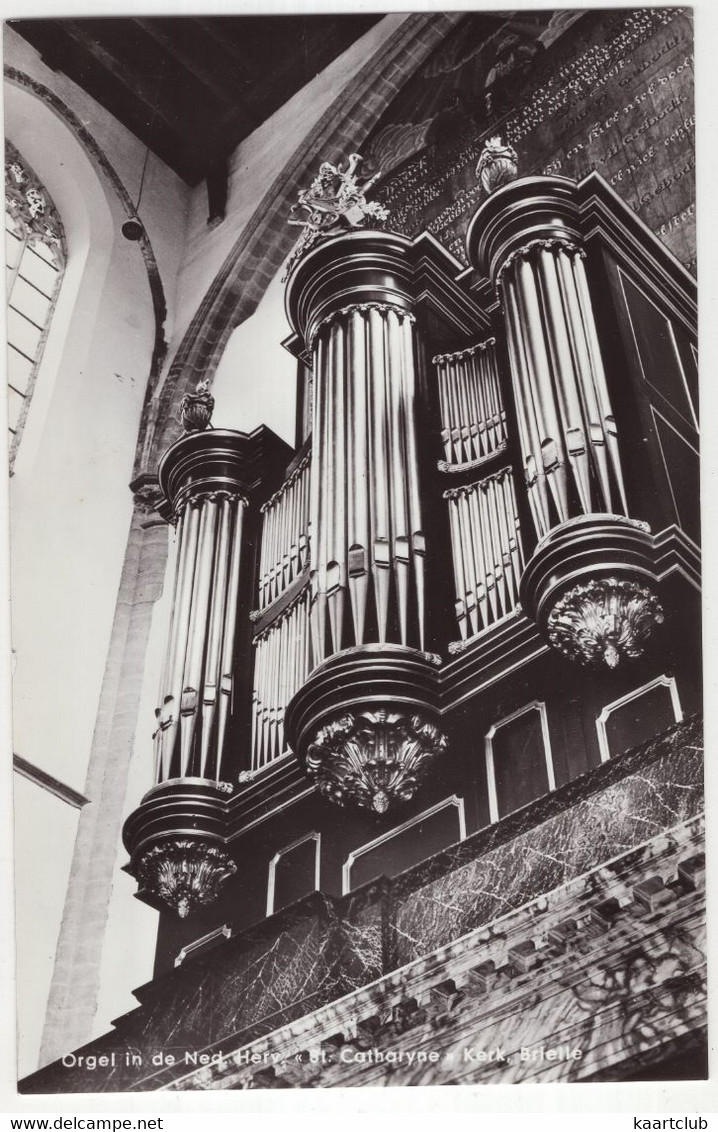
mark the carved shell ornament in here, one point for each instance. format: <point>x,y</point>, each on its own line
<point>373,759</point>
<point>606,620</point>
<point>185,873</point>
<point>335,202</point>
<point>497,165</point>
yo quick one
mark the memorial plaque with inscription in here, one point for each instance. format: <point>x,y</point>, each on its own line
<point>610,91</point>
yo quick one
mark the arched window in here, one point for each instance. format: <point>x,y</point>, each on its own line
<point>36,253</point>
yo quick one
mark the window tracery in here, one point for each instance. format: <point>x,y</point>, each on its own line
<point>35,261</point>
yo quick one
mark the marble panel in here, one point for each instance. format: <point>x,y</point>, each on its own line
<point>654,793</point>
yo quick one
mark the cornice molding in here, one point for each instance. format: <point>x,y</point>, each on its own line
<point>608,222</point>
<point>219,461</point>
<point>430,278</point>
<point>578,943</point>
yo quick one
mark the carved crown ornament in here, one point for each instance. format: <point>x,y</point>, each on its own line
<point>185,873</point>
<point>605,620</point>
<point>373,759</point>
<point>335,202</point>
<point>30,207</point>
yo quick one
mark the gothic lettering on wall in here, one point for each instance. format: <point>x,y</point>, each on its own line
<point>612,93</point>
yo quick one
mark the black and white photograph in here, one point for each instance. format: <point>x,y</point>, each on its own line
<point>354,517</point>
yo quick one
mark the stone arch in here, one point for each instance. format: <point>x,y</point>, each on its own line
<point>267,239</point>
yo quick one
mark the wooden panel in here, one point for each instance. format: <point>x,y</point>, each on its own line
<point>407,845</point>
<point>519,760</point>
<point>655,338</point>
<point>293,873</point>
<point>638,716</point>
<point>682,469</point>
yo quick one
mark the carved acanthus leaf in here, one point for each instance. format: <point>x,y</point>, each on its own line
<point>373,759</point>
<point>185,873</point>
<point>607,619</point>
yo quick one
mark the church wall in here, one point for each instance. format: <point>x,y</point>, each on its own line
<point>604,90</point>
<point>165,197</point>
<point>256,380</point>
<point>124,967</point>
<point>45,829</point>
<point>71,504</point>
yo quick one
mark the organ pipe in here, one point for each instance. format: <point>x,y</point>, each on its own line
<point>566,424</point>
<point>487,552</point>
<point>196,685</point>
<point>473,419</point>
<point>281,666</point>
<point>364,491</point>
<point>285,534</point>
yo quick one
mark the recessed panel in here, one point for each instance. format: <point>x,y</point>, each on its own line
<point>635,721</point>
<point>661,363</point>
<point>519,757</point>
<point>295,873</point>
<point>409,844</point>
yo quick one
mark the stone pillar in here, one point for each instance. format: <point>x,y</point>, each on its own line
<point>74,990</point>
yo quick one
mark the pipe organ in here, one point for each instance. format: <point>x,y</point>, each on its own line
<point>209,483</point>
<point>566,423</point>
<point>285,535</point>
<point>365,504</point>
<point>586,583</point>
<point>197,684</point>
<point>371,536</point>
<point>351,302</point>
<point>281,665</point>
<point>473,418</point>
<point>486,548</point>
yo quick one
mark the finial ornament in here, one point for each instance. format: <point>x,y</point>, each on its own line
<point>195,410</point>
<point>497,165</point>
<point>335,202</point>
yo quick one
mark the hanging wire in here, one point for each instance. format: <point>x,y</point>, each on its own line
<point>133,229</point>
